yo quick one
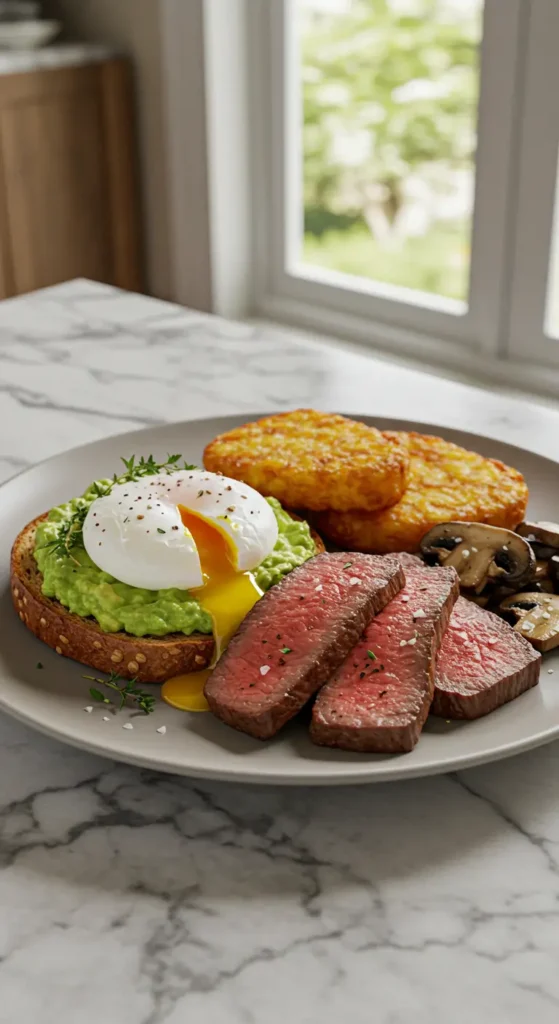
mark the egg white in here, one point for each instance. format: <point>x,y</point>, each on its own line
<point>136,533</point>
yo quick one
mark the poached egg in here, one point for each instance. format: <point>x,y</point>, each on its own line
<point>191,530</point>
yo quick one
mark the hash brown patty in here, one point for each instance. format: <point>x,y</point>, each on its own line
<point>446,483</point>
<point>315,460</point>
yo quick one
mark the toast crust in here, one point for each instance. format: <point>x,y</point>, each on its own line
<point>147,659</point>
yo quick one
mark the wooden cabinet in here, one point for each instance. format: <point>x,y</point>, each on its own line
<point>68,190</point>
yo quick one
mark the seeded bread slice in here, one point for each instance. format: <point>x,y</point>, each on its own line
<point>148,659</point>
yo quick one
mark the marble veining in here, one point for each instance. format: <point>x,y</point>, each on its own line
<point>130,897</point>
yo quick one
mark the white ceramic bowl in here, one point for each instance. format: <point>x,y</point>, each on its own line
<point>27,35</point>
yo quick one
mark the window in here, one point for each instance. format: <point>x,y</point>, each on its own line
<point>389,95</point>
<point>409,150</point>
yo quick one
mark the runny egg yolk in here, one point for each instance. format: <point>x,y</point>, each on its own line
<point>227,595</point>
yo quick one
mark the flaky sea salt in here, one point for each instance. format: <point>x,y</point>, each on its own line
<point>354,581</point>
<point>89,708</point>
<point>419,614</point>
<point>319,587</point>
<point>264,669</point>
<point>128,725</point>
<point>162,730</point>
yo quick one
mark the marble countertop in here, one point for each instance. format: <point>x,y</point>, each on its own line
<point>129,897</point>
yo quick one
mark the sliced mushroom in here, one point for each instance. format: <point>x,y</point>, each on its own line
<point>542,551</point>
<point>537,617</point>
<point>539,586</point>
<point>482,600</point>
<point>480,554</point>
<point>545,535</point>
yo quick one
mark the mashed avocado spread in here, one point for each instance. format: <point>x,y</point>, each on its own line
<point>86,590</point>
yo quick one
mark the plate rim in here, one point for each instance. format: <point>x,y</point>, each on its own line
<point>361,776</point>
<point>250,417</point>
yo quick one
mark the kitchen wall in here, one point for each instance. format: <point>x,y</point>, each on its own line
<point>134,26</point>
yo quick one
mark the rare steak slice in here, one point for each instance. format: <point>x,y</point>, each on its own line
<point>296,636</point>
<point>380,697</point>
<point>483,663</point>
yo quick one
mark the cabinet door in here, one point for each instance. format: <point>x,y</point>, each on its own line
<point>65,211</point>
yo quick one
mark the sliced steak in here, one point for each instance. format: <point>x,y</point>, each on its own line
<point>482,664</point>
<point>380,697</point>
<point>296,636</point>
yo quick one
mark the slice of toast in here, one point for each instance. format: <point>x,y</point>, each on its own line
<point>148,659</point>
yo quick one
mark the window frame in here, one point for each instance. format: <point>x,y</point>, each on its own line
<point>537,207</point>
<point>313,298</point>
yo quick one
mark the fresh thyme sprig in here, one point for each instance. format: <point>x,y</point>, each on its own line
<point>129,691</point>
<point>149,467</point>
<point>70,532</point>
<point>68,535</point>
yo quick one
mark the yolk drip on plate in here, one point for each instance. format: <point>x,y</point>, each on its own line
<point>227,596</point>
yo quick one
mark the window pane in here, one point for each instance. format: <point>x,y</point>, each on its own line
<point>389,93</point>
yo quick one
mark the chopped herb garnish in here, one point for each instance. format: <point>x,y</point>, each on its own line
<point>348,565</point>
<point>159,530</point>
<point>39,664</point>
<point>97,695</point>
<point>129,691</point>
<point>286,650</point>
<point>371,655</point>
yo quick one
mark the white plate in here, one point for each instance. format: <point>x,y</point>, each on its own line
<point>52,699</point>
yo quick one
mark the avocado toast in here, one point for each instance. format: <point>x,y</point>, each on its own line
<point>83,613</point>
